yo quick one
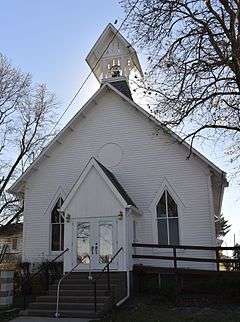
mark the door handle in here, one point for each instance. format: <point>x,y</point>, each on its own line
<point>96,248</point>
<point>92,249</point>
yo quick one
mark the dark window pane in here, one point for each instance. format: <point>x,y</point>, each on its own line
<point>61,218</point>
<point>55,237</point>
<point>62,236</point>
<point>60,202</point>
<point>173,231</point>
<point>162,232</point>
<point>161,206</point>
<point>55,215</point>
<point>172,206</point>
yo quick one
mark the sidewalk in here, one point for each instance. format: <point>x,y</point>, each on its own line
<point>45,319</point>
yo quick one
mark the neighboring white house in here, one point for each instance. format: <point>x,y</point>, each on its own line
<point>115,175</point>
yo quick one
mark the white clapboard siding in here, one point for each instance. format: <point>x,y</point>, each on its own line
<point>149,158</point>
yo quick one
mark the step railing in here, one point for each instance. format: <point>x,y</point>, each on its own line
<point>106,269</point>
<point>57,314</point>
<point>26,283</point>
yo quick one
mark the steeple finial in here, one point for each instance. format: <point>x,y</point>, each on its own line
<point>112,56</point>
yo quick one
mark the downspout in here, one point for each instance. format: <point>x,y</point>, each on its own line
<point>127,211</point>
<point>128,291</point>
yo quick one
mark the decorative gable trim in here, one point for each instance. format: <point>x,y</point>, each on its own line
<point>165,185</point>
<point>59,193</point>
<point>92,164</point>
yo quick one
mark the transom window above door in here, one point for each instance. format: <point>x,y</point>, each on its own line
<point>167,220</point>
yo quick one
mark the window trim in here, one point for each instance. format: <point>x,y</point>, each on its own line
<point>60,227</point>
<point>153,208</point>
<point>60,193</point>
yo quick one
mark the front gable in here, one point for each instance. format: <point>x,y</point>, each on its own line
<point>94,194</point>
<point>81,115</point>
<point>111,118</point>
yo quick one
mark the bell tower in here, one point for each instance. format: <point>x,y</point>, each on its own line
<point>112,58</point>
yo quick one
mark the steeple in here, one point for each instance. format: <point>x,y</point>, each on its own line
<point>112,58</point>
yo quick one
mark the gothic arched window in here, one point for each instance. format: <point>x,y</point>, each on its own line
<point>167,220</point>
<point>57,226</point>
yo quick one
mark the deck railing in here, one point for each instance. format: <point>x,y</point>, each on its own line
<point>175,258</point>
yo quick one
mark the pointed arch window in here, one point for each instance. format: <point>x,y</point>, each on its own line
<point>57,226</point>
<point>167,220</point>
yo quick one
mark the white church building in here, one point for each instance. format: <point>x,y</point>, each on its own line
<point>113,176</point>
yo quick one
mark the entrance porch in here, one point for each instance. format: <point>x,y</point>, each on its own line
<point>99,220</point>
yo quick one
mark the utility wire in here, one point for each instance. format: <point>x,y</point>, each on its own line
<point>86,79</point>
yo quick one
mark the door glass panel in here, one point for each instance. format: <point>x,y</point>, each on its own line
<point>106,242</point>
<point>83,242</point>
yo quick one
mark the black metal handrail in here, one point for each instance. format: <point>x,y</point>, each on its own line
<point>57,315</point>
<point>25,285</point>
<point>106,267</point>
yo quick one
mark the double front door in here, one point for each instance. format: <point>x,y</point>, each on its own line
<point>96,242</point>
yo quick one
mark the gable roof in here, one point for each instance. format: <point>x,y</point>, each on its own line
<point>117,185</point>
<point>122,86</point>
<point>109,179</point>
<point>17,185</point>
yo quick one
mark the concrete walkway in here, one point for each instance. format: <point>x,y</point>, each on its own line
<point>43,319</point>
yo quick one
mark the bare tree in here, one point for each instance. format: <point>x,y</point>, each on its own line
<point>26,112</point>
<point>193,75</point>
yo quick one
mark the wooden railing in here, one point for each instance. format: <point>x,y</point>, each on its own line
<point>175,258</point>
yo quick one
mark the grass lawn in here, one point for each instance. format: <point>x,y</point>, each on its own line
<point>150,310</point>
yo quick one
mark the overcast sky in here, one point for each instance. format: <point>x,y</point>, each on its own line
<point>51,39</point>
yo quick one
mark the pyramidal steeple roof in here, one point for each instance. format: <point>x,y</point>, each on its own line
<point>112,56</point>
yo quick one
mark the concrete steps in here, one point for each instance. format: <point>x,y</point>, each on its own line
<point>63,313</point>
<point>77,296</point>
<point>83,287</point>
<point>71,299</point>
<point>66,306</point>
<point>81,292</point>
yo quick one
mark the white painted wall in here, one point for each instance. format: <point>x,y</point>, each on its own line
<point>148,158</point>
